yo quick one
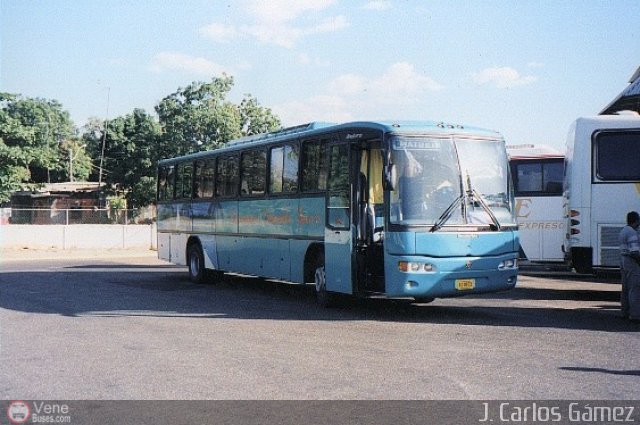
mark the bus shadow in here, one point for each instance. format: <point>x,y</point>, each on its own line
<point>597,318</point>
<point>159,292</point>
<point>559,294</point>
<point>601,276</point>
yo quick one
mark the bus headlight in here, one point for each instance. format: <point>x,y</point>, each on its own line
<point>415,267</point>
<point>511,263</point>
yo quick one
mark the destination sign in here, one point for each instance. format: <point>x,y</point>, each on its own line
<point>415,144</point>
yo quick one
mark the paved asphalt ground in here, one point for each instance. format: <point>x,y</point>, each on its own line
<point>128,326</point>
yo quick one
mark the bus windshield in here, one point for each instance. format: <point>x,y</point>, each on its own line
<point>450,181</point>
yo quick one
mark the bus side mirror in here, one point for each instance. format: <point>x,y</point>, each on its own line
<point>390,177</point>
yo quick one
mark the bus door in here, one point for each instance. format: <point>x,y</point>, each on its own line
<point>338,236</point>
<point>369,218</point>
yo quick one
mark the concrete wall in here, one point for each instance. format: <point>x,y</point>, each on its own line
<point>78,236</point>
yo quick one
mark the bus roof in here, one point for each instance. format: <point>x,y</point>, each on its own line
<point>621,118</point>
<point>531,151</point>
<point>317,128</point>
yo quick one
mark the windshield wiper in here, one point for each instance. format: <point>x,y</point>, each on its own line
<point>487,209</point>
<point>472,195</point>
<point>446,215</point>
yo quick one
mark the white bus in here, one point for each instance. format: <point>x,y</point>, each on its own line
<point>537,172</point>
<point>602,184</point>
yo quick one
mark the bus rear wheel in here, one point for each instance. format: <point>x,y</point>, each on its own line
<point>195,262</point>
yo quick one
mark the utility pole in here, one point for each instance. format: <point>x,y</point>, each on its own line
<point>104,140</point>
<point>70,163</point>
<point>73,156</point>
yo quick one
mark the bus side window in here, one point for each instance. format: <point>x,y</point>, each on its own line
<point>553,177</point>
<point>529,177</point>
<point>171,182</point>
<point>277,169</point>
<point>197,179</point>
<point>284,169</point>
<point>314,167</point>
<point>338,187</point>
<point>227,176</point>
<point>610,165</point>
<point>208,178</point>
<point>538,178</point>
<point>253,168</point>
<point>290,172</point>
<point>184,180</point>
<point>166,183</point>
<point>203,183</point>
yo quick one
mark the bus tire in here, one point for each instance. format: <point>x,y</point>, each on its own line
<point>581,260</point>
<point>325,298</point>
<point>195,263</point>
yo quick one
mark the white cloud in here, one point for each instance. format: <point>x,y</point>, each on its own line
<point>280,35</point>
<point>175,61</point>
<point>288,35</point>
<point>282,11</point>
<point>502,77</point>
<point>400,80</point>
<point>220,32</point>
<point>274,22</point>
<point>353,96</point>
<point>331,24</point>
<point>244,65</point>
<point>305,60</point>
<point>378,5</point>
<point>348,84</point>
<point>317,108</point>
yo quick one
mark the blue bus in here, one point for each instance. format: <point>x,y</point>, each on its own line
<point>418,210</point>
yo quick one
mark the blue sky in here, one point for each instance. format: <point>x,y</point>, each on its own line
<point>524,68</point>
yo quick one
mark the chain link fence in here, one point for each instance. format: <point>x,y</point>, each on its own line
<point>75,216</point>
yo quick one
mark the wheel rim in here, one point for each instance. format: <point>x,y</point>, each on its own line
<point>320,280</point>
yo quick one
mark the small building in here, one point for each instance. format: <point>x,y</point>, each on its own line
<point>58,203</point>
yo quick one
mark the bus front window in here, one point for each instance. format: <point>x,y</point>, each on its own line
<point>445,181</point>
<point>428,180</point>
<point>484,167</point>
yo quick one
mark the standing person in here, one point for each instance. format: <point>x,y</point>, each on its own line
<point>630,267</point>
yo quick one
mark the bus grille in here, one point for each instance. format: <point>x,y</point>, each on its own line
<point>609,246</point>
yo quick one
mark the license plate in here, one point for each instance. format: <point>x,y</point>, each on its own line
<point>465,284</point>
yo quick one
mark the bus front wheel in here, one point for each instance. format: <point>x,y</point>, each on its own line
<point>324,297</point>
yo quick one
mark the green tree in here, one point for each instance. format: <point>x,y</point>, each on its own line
<point>76,160</point>
<point>255,119</point>
<point>199,117</point>
<point>195,118</point>
<point>32,137</point>
<point>130,154</point>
